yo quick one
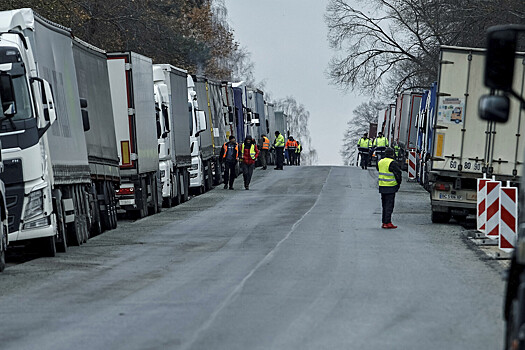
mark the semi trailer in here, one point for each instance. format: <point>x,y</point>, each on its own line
<point>93,87</point>
<point>465,147</point>
<point>136,131</point>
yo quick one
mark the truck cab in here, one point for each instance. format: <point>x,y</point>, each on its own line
<point>198,121</point>
<point>27,174</point>
<point>162,109</point>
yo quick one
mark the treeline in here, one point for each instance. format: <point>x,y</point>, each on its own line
<point>192,34</point>
<point>384,47</point>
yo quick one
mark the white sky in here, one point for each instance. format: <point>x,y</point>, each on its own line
<point>289,46</point>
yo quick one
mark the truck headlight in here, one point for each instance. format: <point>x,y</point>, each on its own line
<point>35,204</point>
<point>162,173</point>
<point>195,166</point>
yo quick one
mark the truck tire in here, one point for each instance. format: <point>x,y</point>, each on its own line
<point>440,217</point>
<point>47,246</point>
<point>177,198</point>
<point>3,248</point>
<point>185,184</point>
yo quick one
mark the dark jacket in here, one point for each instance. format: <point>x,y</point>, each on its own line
<point>396,169</point>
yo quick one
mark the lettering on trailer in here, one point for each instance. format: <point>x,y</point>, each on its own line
<point>411,165</point>
<point>508,223</point>
<point>481,213</point>
<point>493,209</point>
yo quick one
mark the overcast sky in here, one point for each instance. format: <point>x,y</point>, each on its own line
<point>289,46</point>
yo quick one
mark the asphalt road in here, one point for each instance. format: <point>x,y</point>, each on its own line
<point>297,262</point>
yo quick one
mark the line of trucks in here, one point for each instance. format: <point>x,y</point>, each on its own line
<point>87,134</point>
<point>453,146</point>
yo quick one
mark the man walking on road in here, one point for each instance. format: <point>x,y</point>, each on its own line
<point>279,149</point>
<point>249,153</point>
<point>229,155</point>
<point>363,145</point>
<point>380,143</point>
<point>389,182</point>
<point>265,147</point>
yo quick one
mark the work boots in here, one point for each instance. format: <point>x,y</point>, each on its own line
<point>389,225</point>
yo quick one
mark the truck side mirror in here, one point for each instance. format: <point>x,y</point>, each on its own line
<point>7,95</point>
<point>49,104</point>
<point>201,122</point>
<point>166,117</point>
<point>85,116</point>
<point>230,117</point>
<point>494,108</point>
<point>499,61</point>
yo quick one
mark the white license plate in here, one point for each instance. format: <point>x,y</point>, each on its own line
<point>126,202</point>
<point>450,196</point>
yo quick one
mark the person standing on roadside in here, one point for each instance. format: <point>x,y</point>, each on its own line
<point>265,147</point>
<point>291,146</point>
<point>279,149</point>
<point>249,153</point>
<point>298,153</point>
<point>229,155</point>
<point>389,181</point>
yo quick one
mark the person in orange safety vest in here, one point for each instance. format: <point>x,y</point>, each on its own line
<point>265,148</point>
<point>291,147</point>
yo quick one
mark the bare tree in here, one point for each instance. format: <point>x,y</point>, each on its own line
<point>363,115</point>
<point>394,44</point>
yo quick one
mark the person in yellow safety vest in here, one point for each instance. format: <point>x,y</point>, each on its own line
<point>265,148</point>
<point>298,152</point>
<point>278,144</point>
<point>229,155</point>
<point>389,180</point>
<point>363,145</point>
<point>380,144</point>
<point>249,153</point>
<point>396,150</point>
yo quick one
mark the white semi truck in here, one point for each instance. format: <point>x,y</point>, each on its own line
<point>137,133</point>
<point>47,175</point>
<point>199,167</point>
<point>171,103</point>
<point>465,147</point>
<point>7,111</point>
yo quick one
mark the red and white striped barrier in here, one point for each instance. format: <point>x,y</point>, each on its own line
<point>411,165</point>
<point>508,223</point>
<point>481,204</point>
<point>493,209</point>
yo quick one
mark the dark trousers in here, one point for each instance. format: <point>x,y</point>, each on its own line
<point>263,156</point>
<point>291,157</point>
<point>279,157</point>
<point>229,173</point>
<point>298,158</point>
<point>364,160</point>
<point>387,201</point>
<point>247,172</point>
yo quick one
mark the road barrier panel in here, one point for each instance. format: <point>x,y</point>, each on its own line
<point>412,165</point>
<point>481,196</point>
<point>493,209</point>
<point>508,222</point>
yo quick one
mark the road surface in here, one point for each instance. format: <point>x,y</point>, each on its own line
<point>297,262</point>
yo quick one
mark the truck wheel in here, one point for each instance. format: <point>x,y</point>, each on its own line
<point>47,246</point>
<point>177,187</point>
<point>440,217</point>
<point>3,248</point>
<point>185,185</point>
